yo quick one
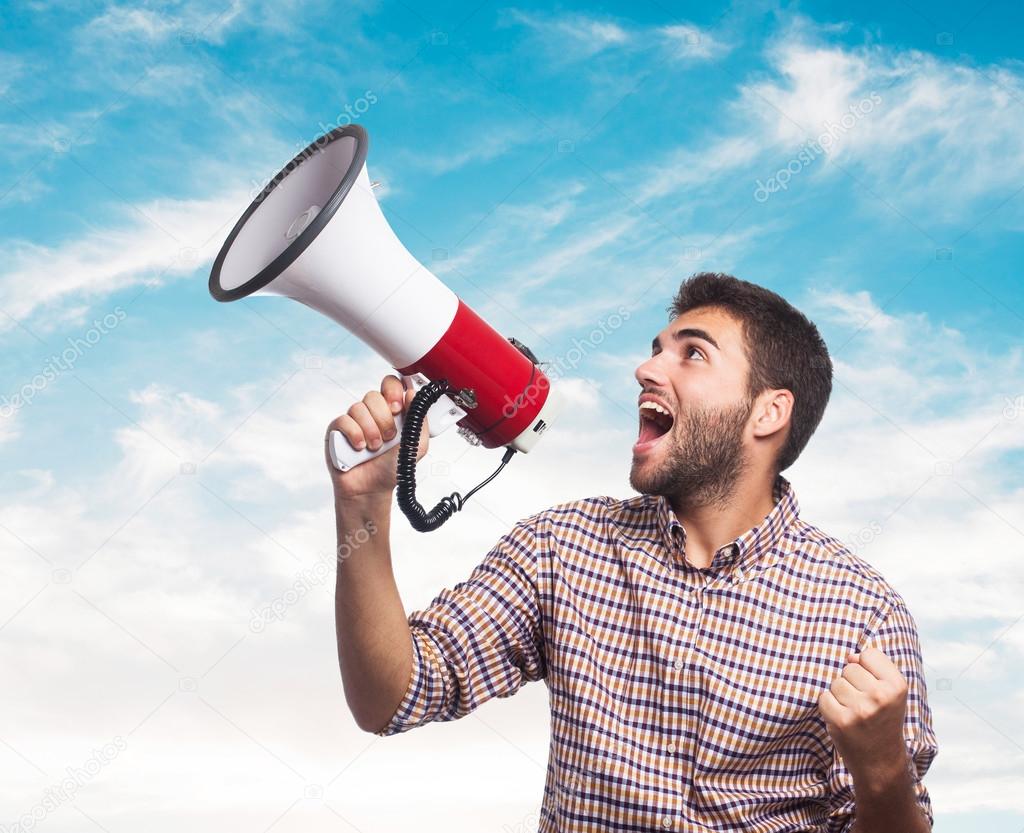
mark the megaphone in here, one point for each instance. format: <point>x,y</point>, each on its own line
<point>316,234</point>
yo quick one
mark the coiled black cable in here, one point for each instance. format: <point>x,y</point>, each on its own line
<point>421,520</point>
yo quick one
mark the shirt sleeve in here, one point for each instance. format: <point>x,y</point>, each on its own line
<point>480,639</point>
<point>896,637</point>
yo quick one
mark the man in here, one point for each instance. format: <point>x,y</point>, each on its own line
<point>714,661</point>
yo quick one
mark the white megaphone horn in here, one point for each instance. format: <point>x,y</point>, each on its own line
<point>316,234</point>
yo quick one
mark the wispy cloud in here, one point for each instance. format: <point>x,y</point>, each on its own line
<point>482,145</point>
<point>689,41</point>
<point>920,145</point>
<point>189,21</point>
<point>155,241</point>
<point>580,36</point>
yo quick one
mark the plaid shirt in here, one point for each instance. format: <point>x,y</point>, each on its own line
<point>682,698</point>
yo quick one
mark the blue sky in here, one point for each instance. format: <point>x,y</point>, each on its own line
<point>552,164</point>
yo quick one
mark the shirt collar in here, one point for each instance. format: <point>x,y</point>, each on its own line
<point>746,550</point>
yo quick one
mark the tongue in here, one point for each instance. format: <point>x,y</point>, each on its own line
<point>649,430</point>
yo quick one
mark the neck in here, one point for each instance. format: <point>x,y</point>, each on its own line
<point>709,527</point>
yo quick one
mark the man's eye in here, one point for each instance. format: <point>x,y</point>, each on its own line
<point>695,350</point>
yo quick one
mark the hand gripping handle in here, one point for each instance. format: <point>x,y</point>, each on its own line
<point>441,416</point>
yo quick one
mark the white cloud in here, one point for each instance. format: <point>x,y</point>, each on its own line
<point>190,22</point>
<point>577,37</point>
<point>482,146</point>
<point>9,428</point>
<point>920,142</point>
<point>181,564</point>
<point>686,168</point>
<point>11,68</point>
<point>689,41</point>
<point>858,311</point>
<point>916,436</point>
<point>581,35</point>
<point>156,241</point>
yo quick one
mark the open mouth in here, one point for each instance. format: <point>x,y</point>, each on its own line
<point>655,423</point>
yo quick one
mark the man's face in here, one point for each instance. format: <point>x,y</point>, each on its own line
<point>698,372</point>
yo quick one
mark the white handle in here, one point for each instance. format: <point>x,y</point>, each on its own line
<point>441,416</point>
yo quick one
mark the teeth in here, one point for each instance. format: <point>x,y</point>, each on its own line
<point>654,406</point>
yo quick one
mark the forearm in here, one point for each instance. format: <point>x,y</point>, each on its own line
<point>886,802</point>
<point>374,643</point>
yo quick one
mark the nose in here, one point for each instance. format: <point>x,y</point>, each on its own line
<point>650,373</point>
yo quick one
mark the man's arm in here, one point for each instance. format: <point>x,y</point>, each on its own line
<point>886,801</point>
<point>374,644</point>
<point>480,639</point>
<point>375,651</point>
<point>878,716</point>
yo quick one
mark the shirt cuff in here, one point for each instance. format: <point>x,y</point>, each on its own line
<point>425,695</point>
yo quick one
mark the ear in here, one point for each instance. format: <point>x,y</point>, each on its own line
<point>772,412</point>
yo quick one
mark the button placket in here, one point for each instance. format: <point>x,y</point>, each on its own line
<point>673,725</point>
<point>688,732</point>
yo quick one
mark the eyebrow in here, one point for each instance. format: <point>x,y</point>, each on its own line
<point>682,333</point>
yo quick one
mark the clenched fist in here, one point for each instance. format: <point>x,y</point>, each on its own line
<point>370,423</point>
<point>864,710</point>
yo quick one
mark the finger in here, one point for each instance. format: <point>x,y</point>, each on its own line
<point>381,414</point>
<point>371,432</point>
<point>843,690</point>
<point>859,677</point>
<point>879,664</point>
<point>393,391</point>
<point>831,709</point>
<point>350,429</point>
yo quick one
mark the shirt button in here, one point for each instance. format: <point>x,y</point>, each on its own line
<point>671,747</point>
<point>666,822</point>
<point>678,665</point>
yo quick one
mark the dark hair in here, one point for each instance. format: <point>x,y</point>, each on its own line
<point>783,347</point>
